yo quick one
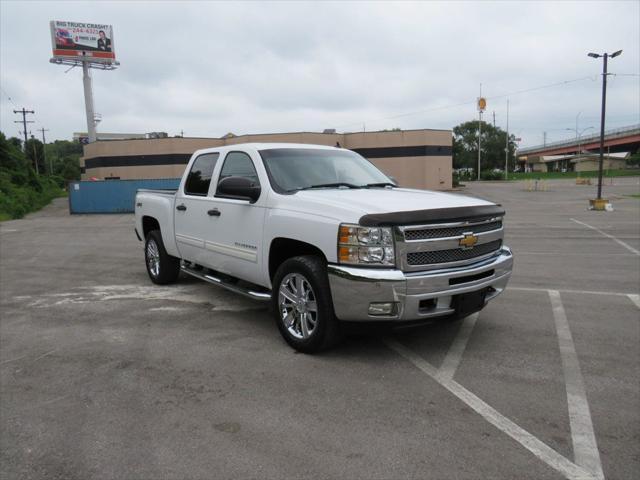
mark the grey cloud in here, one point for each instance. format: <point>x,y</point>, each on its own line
<point>210,68</point>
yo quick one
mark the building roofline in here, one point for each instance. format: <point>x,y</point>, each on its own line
<point>223,138</point>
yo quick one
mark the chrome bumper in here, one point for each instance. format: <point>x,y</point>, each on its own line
<point>418,295</point>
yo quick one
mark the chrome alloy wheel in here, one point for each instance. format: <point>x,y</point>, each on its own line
<point>153,257</point>
<point>297,306</point>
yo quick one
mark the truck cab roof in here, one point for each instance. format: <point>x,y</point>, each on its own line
<point>264,146</point>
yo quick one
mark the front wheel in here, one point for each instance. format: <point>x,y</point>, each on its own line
<point>161,267</point>
<point>303,306</point>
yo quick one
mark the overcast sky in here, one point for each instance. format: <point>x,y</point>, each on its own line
<point>209,68</point>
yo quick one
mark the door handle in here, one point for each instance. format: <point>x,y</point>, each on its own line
<point>214,213</point>
<point>182,207</point>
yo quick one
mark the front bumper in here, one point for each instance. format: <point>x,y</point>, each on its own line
<point>418,295</point>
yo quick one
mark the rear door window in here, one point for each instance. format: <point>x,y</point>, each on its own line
<point>200,174</point>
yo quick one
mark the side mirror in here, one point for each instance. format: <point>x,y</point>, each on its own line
<point>240,188</point>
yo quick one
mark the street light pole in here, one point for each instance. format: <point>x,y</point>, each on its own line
<point>506,158</point>
<point>579,138</point>
<point>602,117</point>
<point>605,58</point>
<point>479,130</point>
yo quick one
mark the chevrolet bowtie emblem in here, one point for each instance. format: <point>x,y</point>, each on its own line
<point>468,241</point>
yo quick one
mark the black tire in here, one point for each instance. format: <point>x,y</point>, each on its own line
<point>168,267</point>
<point>326,330</point>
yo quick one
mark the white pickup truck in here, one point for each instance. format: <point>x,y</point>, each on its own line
<point>324,236</point>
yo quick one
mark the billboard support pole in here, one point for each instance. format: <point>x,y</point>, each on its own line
<point>88,102</point>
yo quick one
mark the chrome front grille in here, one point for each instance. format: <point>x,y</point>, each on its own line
<point>451,255</point>
<point>446,232</point>
<point>443,245</point>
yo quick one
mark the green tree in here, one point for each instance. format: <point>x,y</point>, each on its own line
<point>21,190</point>
<point>65,158</point>
<point>465,146</point>
<point>11,156</point>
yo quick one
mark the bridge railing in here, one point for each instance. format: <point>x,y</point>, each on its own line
<point>608,134</point>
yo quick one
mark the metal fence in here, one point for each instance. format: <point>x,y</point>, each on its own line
<point>112,196</point>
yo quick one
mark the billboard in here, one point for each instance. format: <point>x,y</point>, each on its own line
<point>82,41</point>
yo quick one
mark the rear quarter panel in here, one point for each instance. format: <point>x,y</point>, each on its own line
<point>160,207</point>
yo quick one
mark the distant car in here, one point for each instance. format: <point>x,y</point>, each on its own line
<point>64,38</point>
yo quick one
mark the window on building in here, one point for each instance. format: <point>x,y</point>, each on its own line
<point>199,177</point>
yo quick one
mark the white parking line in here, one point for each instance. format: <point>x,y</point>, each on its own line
<point>587,292</point>
<point>620,242</point>
<point>585,447</point>
<point>634,298</point>
<point>456,350</point>
<point>540,449</point>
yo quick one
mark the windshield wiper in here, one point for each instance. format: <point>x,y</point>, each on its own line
<point>380,184</point>
<point>330,185</point>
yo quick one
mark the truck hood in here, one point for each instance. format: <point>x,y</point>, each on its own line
<point>349,205</point>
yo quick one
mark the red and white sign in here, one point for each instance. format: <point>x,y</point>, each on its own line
<point>91,42</point>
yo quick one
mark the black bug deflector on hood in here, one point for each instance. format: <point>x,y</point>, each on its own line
<point>438,215</point>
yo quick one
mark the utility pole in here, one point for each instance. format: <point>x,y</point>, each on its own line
<point>506,149</point>
<point>44,150</point>
<point>479,128</point>
<point>577,140</point>
<point>35,155</point>
<point>24,122</point>
<point>494,119</point>
<point>544,139</point>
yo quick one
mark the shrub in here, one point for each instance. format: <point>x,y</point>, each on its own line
<point>491,175</point>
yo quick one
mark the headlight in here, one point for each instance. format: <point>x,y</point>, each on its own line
<point>365,245</point>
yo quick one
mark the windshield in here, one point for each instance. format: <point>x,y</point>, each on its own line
<point>292,169</point>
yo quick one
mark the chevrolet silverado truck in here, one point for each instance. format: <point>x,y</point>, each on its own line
<point>324,236</point>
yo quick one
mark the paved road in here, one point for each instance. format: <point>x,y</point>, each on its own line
<point>103,375</point>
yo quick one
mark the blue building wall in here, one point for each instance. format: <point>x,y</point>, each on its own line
<point>112,196</point>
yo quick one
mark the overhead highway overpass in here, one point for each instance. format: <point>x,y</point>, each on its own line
<point>625,139</point>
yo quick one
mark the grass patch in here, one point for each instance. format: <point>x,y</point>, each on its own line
<point>635,195</point>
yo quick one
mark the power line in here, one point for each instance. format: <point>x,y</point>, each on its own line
<point>472,102</point>
<point>7,95</point>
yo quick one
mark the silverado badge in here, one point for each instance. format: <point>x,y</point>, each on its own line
<point>468,241</point>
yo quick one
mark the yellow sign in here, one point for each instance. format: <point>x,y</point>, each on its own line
<point>468,241</point>
<point>482,104</point>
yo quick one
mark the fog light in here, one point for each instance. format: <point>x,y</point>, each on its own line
<point>382,308</point>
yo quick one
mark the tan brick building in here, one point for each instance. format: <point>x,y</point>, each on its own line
<point>416,158</point>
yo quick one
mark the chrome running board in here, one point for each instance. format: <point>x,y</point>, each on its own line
<point>208,277</point>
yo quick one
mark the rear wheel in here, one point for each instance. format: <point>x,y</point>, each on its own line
<point>161,267</point>
<point>302,305</point>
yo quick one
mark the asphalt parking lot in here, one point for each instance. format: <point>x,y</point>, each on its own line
<point>104,375</point>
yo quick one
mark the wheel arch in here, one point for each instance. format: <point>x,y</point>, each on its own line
<point>149,223</point>
<point>282,248</point>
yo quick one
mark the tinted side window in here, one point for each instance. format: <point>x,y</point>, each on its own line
<point>200,175</point>
<point>239,164</point>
